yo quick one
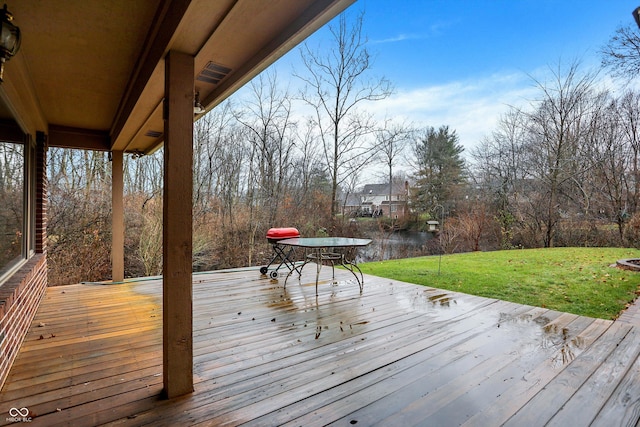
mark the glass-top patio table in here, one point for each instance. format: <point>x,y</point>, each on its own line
<point>322,249</point>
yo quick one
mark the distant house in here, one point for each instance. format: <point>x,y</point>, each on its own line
<point>377,200</point>
<point>351,203</point>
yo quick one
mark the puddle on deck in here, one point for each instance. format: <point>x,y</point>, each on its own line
<point>325,316</point>
<point>528,334</point>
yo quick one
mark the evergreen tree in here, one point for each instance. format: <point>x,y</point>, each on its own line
<point>439,169</point>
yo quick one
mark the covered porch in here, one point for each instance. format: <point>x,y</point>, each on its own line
<point>397,354</point>
<point>125,77</point>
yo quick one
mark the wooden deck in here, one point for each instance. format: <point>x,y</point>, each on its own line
<point>395,355</point>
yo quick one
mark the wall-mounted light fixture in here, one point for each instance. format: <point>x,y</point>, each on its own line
<point>9,39</point>
<point>197,106</point>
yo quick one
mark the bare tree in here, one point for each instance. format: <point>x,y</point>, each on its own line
<point>559,166</point>
<point>621,55</point>
<point>613,152</point>
<point>150,243</point>
<point>205,167</point>
<point>610,159</point>
<point>267,117</point>
<point>310,183</point>
<point>336,85</point>
<point>143,174</point>
<point>392,140</point>
<point>556,129</point>
<point>628,109</point>
<point>79,216</point>
<point>500,172</point>
<point>308,162</point>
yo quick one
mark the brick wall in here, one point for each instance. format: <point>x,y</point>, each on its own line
<point>20,297</point>
<point>21,294</point>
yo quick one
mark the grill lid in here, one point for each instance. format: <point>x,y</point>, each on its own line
<point>282,233</point>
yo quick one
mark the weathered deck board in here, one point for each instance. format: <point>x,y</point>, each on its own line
<point>600,387</point>
<point>544,405</point>
<point>537,368</point>
<point>397,354</point>
<point>623,407</point>
<point>443,381</point>
<point>433,354</point>
<point>345,365</point>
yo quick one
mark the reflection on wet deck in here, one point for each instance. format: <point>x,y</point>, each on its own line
<point>397,354</point>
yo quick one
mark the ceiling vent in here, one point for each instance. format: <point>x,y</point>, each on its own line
<point>153,134</point>
<point>212,73</point>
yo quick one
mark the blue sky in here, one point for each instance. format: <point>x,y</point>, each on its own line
<point>462,62</point>
<point>436,42</point>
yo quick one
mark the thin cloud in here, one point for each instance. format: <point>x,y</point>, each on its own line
<point>435,30</point>
<point>399,38</point>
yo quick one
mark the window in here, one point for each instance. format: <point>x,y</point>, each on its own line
<point>16,212</point>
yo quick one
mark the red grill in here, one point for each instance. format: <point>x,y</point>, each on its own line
<point>276,234</point>
<point>283,254</point>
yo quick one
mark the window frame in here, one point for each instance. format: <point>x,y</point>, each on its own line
<point>28,204</point>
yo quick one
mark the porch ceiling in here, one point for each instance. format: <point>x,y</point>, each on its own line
<point>90,73</point>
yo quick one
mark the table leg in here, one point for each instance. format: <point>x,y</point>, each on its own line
<point>318,256</point>
<point>351,266</point>
<point>319,266</point>
<point>298,269</point>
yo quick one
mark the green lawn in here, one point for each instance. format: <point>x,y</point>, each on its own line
<point>574,280</point>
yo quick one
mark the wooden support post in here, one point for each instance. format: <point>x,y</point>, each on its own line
<point>177,225</point>
<point>117,217</point>
<point>41,193</point>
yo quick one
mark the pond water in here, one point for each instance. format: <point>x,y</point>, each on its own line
<point>398,244</point>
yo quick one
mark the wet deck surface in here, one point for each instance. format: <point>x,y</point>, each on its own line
<point>397,354</point>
